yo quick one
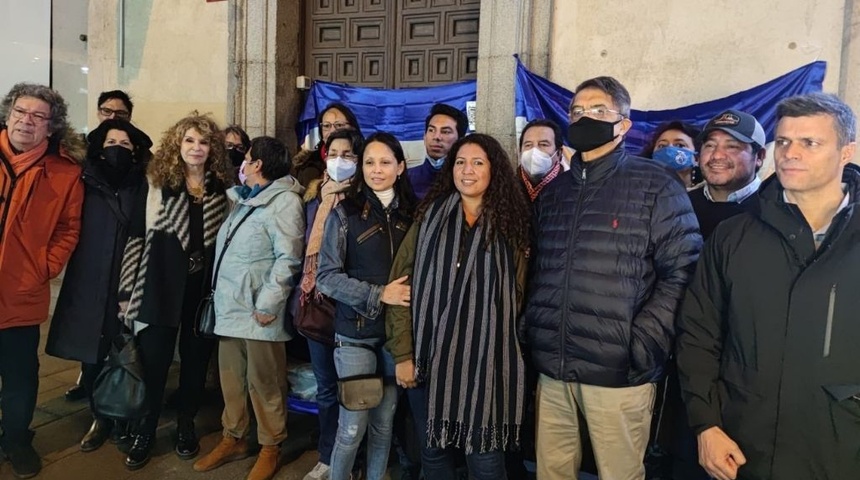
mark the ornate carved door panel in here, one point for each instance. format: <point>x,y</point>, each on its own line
<point>391,43</point>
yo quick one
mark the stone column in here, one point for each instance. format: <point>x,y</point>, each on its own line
<point>849,73</point>
<point>508,27</point>
<point>263,63</point>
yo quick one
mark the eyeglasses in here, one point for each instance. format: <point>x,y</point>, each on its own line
<point>350,157</point>
<point>234,146</point>
<point>336,125</point>
<point>37,117</point>
<point>597,113</point>
<point>118,113</point>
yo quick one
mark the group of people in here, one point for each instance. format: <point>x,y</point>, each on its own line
<point>574,284</point>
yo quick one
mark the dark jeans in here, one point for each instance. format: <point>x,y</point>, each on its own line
<point>322,360</point>
<point>19,373</point>
<point>438,463</point>
<point>157,344</point>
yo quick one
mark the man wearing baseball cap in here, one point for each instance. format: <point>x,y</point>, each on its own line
<point>731,154</point>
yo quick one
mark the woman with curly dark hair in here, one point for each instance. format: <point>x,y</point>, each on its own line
<point>457,342</point>
<point>167,268</point>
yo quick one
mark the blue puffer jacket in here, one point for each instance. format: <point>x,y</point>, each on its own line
<point>615,244</point>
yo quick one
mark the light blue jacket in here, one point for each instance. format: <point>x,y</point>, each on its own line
<point>260,268</point>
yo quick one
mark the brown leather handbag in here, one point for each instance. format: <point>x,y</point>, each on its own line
<point>315,318</point>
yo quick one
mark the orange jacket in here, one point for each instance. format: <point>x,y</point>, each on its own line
<point>40,220</point>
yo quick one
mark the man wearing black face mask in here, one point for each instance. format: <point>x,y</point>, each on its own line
<point>85,318</point>
<point>615,243</point>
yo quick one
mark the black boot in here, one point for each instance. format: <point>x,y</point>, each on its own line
<point>25,461</point>
<point>140,451</point>
<point>121,436</point>
<point>187,444</point>
<point>98,434</point>
<point>75,393</point>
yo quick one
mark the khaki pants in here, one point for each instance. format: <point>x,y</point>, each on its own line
<point>618,422</point>
<point>257,369</point>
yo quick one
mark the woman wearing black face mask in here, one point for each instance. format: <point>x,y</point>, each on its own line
<point>237,142</point>
<point>85,317</point>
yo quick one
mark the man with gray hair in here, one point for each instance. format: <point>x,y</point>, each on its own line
<point>615,244</point>
<point>40,218</point>
<point>768,332</point>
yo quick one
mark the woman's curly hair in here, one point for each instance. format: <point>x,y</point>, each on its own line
<point>167,169</point>
<point>505,208</point>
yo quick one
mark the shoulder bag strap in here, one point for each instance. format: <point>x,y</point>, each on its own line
<point>227,244</point>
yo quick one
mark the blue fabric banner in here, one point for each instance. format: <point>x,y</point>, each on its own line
<point>400,112</point>
<point>537,97</point>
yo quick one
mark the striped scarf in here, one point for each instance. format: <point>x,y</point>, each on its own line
<point>465,333</point>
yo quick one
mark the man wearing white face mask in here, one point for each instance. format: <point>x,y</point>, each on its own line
<point>540,155</point>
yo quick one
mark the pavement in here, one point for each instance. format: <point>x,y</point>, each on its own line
<point>60,425</point>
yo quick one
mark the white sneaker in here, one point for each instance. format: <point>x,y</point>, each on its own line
<point>320,472</point>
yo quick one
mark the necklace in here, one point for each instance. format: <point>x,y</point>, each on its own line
<point>197,192</point>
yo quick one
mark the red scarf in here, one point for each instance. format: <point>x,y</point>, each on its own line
<point>533,191</point>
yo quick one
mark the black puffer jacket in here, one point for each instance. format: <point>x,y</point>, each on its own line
<point>768,339</point>
<point>615,243</point>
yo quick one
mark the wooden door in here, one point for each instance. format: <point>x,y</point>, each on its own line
<point>391,43</point>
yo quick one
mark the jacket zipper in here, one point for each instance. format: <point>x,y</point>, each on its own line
<point>563,332</point>
<point>7,202</point>
<point>828,331</point>
<point>390,231</point>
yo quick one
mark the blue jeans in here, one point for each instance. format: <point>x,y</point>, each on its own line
<point>322,360</point>
<point>378,422</point>
<point>438,463</point>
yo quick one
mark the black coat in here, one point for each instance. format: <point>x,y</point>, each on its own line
<point>156,259</point>
<point>85,316</point>
<point>769,340</point>
<point>615,244</point>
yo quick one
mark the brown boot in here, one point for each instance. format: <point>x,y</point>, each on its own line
<point>267,463</point>
<point>229,450</point>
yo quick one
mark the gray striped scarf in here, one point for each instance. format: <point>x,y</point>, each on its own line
<point>467,352</point>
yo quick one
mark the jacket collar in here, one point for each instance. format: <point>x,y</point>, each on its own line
<point>597,169</point>
<point>265,196</point>
<point>789,221</point>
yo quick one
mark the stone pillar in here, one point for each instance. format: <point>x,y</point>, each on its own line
<point>263,63</point>
<point>849,74</point>
<point>508,27</point>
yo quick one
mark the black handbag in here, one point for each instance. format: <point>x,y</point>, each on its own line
<point>204,319</point>
<point>119,391</point>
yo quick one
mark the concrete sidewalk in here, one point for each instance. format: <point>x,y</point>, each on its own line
<point>60,424</point>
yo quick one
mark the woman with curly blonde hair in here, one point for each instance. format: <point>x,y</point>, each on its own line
<point>167,268</point>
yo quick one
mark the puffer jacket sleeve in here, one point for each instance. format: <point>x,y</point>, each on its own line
<point>700,338</point>
<point>676,244</point>
<point>332,280</point>
<point>286,230</point>
<point>64,239</point>
<point>398,320</point>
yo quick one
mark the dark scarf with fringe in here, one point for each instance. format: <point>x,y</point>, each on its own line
<point>464,311</point>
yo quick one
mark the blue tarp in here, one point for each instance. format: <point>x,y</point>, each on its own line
<point>537,97</point>
<point>400,112</point>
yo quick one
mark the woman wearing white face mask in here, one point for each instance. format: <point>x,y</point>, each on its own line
<point>540,155</point>
<point>315,316</point>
